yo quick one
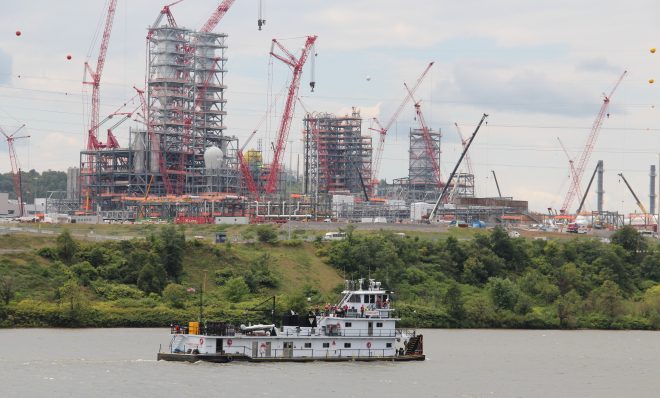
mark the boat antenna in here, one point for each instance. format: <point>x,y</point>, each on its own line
<point>201,299</point>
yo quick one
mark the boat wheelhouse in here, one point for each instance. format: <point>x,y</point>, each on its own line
<point>361,327</point>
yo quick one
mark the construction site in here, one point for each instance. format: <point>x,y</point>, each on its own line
<point>182,163</point>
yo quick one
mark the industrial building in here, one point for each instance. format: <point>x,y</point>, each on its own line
<point>337,154</point>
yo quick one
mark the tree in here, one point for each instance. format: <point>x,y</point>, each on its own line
<point>568,306</point>
<point>152,278</point>
<point>7,290</point>
<point>72,295</point>
<point>503,293</point>
<point>454,302</point>
<point>171,244</point>
<point>607,299</point>
<point>67,247</point>
<point>631,241</point>
<point>235,289</point>
<point>266,234</point>
<point>85,272</point>
<point>175,295</point>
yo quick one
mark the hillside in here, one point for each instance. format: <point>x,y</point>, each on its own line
<point>482,279</point>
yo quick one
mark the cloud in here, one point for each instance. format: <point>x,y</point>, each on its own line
<point>5,67</point>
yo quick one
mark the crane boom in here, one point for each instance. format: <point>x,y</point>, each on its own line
<point>428,142</point>
<point>95,75</point>
<point>571,164</point>
<point>296,64</point>
<point>453,173</point>
<point>639,202</point>
<point>468,162</point>
<point>589,146</point>
<point>217,15</point>
<point>382,130</point>
<point>15,167</point>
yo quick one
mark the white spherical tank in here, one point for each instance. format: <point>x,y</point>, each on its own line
<point>213,158</point>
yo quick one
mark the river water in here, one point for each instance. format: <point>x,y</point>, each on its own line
<point>460,363</point>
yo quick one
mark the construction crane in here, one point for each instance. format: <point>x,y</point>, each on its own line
<point>217,15</point>
<point>458,164</point>
<point>468,162</point>
<point>574,176</point>
<point>165,12</point>
<point>382,130</point>
<point>15,166</point>
<point>586,191</point>
<point>589,146</point>
<point>245,170</point>
<point>95,75</point>
<point>296,64</point>
<point>431,150</point>
<point>497,184</point>
<point>639,202</point>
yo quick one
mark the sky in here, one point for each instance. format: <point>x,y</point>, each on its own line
<point>538,69</point>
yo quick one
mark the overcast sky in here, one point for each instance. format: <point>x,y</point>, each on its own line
<point>539,69</point>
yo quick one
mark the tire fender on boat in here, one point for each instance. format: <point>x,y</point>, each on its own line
<point>229,342</point>
<point>368,344</point>
<point>201,341</point>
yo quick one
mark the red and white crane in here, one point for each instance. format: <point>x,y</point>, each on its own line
<point>165,12</point>
<point>588,148</point>
<point>431,150</point>
<point>95,76</point>
<point>296,65</point>
<point>15,166</point>
<point>382,130</point>
<point>468,162</point>
<point>571,165</point>
<point>245,169</point>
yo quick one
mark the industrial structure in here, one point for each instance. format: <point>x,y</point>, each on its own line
<point>337,154</point>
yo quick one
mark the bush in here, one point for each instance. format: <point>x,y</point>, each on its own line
<point>235,289</point>
<point>175,295</point>
<point>266,234</point>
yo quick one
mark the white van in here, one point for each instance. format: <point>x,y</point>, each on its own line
<point>334,236</point>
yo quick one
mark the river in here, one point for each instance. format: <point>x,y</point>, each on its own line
<point>461,363</point>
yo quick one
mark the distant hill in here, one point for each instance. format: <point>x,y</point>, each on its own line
<point>35,184</point>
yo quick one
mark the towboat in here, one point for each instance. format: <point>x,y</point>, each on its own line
<point>360,327</point>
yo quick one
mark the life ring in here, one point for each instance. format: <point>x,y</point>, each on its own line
<point>333,342</point>
<point>229,342</point>
<point>368,344</point>
<point>201,341</point>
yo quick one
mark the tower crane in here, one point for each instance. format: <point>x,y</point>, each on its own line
<point>296,64</point>
<point>589,146</point>
<point>428,142</point>
<point>15,166</point>
<point>468,162</point>
<point>382,130</point>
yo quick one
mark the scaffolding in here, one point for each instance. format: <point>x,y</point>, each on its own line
<point>337,155</point>
<point>422,183</point>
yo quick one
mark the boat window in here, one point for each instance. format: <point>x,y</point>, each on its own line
<point>308,345</point>
<point>355,298</point>
<point>347,345</point>
<point>326,345</point>
<point>379,324</point>
<point>388,345</point>
<point>348,324</point>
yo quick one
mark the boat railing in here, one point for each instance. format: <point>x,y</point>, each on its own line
<point>406,332</point>
<point>350,332</point>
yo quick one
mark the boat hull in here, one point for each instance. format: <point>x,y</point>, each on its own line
<point>223,358</point>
